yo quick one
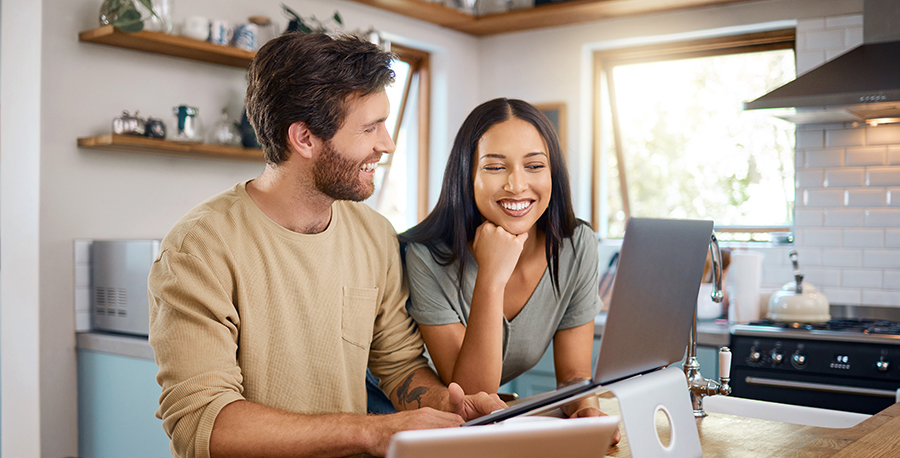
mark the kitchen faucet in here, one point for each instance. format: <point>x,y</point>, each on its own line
<point>699,386</point>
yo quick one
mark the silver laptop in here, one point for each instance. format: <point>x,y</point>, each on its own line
<point>650,313</point>
<point>543,437</point>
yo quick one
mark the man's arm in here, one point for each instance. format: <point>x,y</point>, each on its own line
<point>246,429</point>
<point>422,388</point>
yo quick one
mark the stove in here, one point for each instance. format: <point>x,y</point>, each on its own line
<point>850,365</point>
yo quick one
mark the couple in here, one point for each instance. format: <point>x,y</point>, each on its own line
<point>269,301</point>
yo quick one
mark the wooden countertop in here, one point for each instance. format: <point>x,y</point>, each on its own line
<point>733,437</point>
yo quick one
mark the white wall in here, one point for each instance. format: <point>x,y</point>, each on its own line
<point>56,89</point>
<point>20,94</point>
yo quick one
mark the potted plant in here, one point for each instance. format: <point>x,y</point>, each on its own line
<point>124,14</point>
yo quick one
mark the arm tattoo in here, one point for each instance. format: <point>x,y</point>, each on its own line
<point>406,396</point>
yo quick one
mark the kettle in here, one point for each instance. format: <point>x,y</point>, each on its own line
<point>798,301</point>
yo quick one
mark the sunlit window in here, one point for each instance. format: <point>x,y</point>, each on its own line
<point>684,147</point>
<point>399,180</point>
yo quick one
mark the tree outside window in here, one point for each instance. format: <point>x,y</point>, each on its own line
<point>674,141</point>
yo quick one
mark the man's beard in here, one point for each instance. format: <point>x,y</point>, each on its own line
<point>338,177</point>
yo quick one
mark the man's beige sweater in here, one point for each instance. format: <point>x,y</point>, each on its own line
<point>242,308</point>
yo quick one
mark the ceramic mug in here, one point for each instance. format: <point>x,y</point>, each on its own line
<point>196,27</point>
<point>245,36</point>
<point>220,32</point>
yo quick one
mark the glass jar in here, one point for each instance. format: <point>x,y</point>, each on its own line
<point>224,132</point>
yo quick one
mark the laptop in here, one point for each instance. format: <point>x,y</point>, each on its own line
<point>650,313</point>
<point>542,437</point>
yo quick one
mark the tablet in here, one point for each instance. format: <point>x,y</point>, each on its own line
<point>521,437</point>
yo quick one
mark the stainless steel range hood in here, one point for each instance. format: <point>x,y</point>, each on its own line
<point>862,84</point>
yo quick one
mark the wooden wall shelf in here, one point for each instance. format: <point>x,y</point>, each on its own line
<point>549,15</point>
<point>169,45</point>
<point>113,142</point>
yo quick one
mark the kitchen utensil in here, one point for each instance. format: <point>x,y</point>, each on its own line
<point>188,125</point>
<point>196,27</point>
<point>220,32</point>
<point>798,301</point>
<point>745,274</point>
<point>128,124</point>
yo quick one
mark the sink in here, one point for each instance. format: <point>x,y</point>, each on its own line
<point>785,413</point>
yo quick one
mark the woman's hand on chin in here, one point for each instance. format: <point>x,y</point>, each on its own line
<point>497,251</point>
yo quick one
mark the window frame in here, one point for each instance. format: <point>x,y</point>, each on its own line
<point>419,67</point>
<point>605,60</point>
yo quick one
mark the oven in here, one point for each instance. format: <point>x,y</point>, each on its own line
<point>849,365</point>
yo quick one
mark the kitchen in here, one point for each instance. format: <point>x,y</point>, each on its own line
<point>56,89</point>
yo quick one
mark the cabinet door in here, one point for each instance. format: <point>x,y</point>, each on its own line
<point>117,399</point>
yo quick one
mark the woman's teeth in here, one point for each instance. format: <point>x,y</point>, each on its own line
<point>515,206</point>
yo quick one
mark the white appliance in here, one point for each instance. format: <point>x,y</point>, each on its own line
<point>119,271</point>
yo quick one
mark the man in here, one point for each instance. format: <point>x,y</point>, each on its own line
<point>268,301</point>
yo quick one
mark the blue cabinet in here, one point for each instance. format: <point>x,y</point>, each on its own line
<point>117,400</point>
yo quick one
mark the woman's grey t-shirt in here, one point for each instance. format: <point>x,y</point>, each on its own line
<point>435,298</point>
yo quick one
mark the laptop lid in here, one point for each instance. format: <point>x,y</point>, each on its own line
<point>537,437</point>
<point>654,296</point>
<point>650,313</point>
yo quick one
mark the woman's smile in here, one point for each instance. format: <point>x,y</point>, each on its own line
<point>511,176</point>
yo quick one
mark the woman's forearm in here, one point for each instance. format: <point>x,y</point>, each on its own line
<point>479,364</point>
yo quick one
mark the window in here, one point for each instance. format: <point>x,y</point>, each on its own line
<point>672,139</point>
<point>401,179</point>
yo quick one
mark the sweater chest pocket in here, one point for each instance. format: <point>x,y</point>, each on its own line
<point>358,315</point>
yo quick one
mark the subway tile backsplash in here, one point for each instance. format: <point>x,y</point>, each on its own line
<point>847,215</point>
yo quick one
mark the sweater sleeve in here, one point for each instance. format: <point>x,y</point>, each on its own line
<point>397,346</point>
<point>193,332</point>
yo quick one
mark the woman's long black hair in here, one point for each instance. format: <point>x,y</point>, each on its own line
<point>447,230</point>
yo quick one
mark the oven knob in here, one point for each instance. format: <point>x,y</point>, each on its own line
<point>798,359</point>
<point>777,357</point>
<point>882,365</point>
<point>754,356</point>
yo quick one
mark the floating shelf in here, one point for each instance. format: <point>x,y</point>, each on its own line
<point>113,142</point>
<point>169,45</point>
<point>548,15</point>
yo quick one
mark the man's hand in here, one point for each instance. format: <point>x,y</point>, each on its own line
<point>470,407</point>
<point>424,418</point>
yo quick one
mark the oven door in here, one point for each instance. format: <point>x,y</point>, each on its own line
<point>857,385</point>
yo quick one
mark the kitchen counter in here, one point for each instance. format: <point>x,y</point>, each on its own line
<point>711,333</point>
<point>115,344</point>
<point>732,437</point>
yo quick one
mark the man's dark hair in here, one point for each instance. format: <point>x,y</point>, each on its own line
<point>308,78</point>
<point>447,230</point>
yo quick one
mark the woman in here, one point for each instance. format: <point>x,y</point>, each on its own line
<point>501,266</point>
